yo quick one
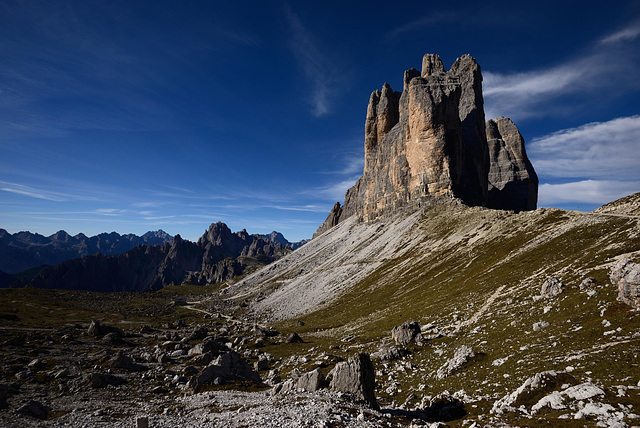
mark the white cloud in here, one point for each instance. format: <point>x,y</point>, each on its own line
<point>601,71</point>
<point>598,150</point>
<point>585,192</point>
<point>318,68</point>
<point>335,192</point>
<point>625,35</point>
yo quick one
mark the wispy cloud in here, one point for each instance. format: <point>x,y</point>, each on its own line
<point>38,193</point>
<point>336,191</point>
<point>599,150</point>
<point>305,208</point>
<point>627,34</point>
<point>585,192</point>
<point>318,68</point>
<point>351,164</point>
<point>601,70</point>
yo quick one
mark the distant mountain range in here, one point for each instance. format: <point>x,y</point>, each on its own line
<point>25,250</point>
<point>140,263</point>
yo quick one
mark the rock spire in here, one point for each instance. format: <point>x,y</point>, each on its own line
<point>430,141</point>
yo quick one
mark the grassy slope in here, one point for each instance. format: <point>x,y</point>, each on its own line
<point>474,273</point>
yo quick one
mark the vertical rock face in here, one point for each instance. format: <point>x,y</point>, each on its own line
<point>513,183</point>
<point>430,141</point>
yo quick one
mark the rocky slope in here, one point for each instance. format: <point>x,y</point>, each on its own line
<point>470,316</point>
<point>24,250</point>
<point>629,205</point>
<point>218,255</point>
<point>431,141</point>
<point>478,278</point>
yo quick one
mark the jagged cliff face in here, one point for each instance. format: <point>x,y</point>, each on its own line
<point>430,141</point>
<point>513,183</point>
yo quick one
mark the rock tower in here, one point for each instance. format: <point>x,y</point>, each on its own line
<point>431,141</point>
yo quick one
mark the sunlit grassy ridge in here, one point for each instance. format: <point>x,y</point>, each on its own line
<point>474,273</point>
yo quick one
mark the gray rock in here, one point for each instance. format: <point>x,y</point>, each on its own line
<point>356,377</point>
<point>513,183</point>
<point>98,330</point>
<point>125,362</point>
<point>540,325</point>
<point>35,409</point>
<point>429,142</point>
<point>312,381</point>
<point>551,287</point>
<point>227,367</point>
<point>102,380</point>
<point>626,276</point>
<point>390,353</point>
<point>461,357</point>
<point>273,378</point>
<point>405,333</point>
<point>533,390</point>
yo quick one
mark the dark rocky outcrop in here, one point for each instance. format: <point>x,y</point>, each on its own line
<point>25,250</point>
<point>513,183</point>
<point>430,142</point>
<point>332,219</point>
<point>218,255</point>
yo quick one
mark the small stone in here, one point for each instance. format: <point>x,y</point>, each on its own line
<point>540,325</point>
<point>142,422</point>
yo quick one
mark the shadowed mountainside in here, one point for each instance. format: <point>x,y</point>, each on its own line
<point>25,250</point>
<point>217,256</point>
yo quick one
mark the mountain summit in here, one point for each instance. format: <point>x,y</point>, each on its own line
<point>431,141</point>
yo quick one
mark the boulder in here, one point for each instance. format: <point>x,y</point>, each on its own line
<point>312,381</point>
<point>227,367</point>
<point>626,276</point>
<point>390,353</point>
<point>356,377</point>
<point>405,333</point>
<point>551,287</point>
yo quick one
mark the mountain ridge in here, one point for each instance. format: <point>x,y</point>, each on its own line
<point>24,250</point>
<point>218,255</point>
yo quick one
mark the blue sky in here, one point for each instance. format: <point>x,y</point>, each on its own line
<point>132,116</point>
